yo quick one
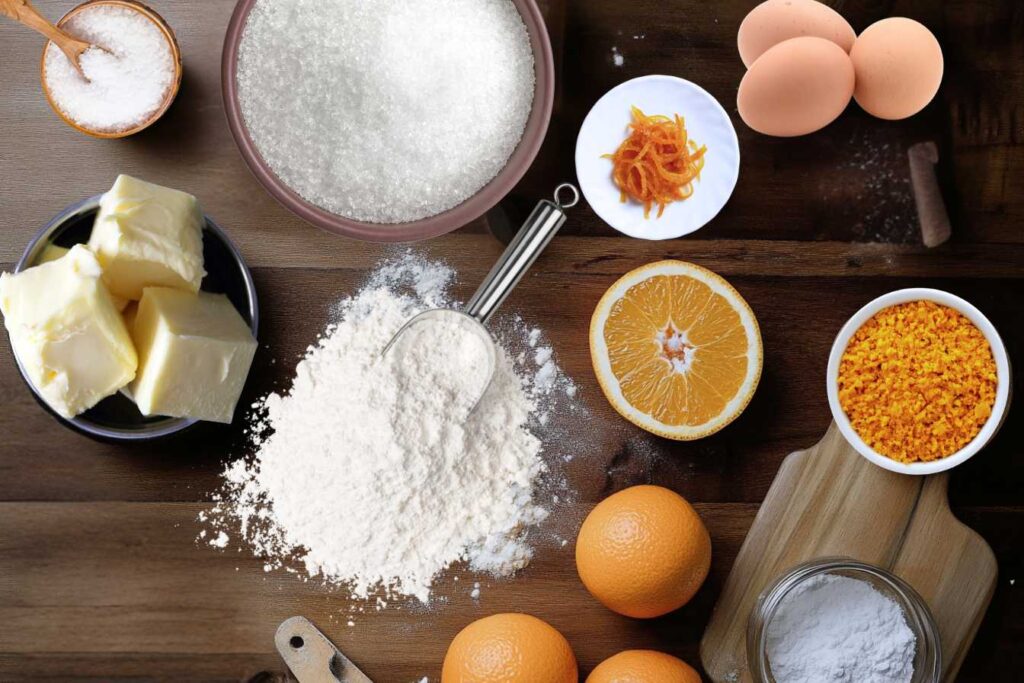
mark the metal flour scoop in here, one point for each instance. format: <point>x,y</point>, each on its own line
<point>520,254</point>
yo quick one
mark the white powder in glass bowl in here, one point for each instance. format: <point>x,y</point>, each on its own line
<point>842,630</point>
<point>385,111</point>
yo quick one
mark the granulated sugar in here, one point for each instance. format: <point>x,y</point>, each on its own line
<point>840,629</point>
<point>373,472</point>
<point>385,111</point>
<point>128,79</point>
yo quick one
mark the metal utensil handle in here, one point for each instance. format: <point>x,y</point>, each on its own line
<point>520,254</point>
<point>311,657</point>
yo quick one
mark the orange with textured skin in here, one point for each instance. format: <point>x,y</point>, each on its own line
<point>643,666</point>
<point>643,552</point>
<point>509,648</point>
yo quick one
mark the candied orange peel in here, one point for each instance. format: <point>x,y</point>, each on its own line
<point>657,163</point>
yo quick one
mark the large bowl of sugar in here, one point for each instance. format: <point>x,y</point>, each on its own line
<point>385,121</point>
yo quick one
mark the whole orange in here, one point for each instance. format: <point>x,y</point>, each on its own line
<point>643,551</point>
<point>643,666</point>
<point>509,648</point>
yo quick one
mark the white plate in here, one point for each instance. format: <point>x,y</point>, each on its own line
<point>605,128</point>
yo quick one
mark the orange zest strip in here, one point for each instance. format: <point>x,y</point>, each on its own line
<point>657,163</point>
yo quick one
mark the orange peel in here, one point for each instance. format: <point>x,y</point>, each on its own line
<point>657,163</point>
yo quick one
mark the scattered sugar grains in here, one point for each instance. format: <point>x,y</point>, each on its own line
<point>385,111</point>
<point>128,78</point>
<point>373,473</point>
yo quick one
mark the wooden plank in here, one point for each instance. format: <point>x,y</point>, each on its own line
<point>817,226</point>
<point>141,584</point>
<point>89,667</point>
<point>828,501</point>
<point>141,593</point>
<point>472,254</point>
<point>847,183</point>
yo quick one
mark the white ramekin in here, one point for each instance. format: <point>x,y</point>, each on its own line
<point>902,296</point>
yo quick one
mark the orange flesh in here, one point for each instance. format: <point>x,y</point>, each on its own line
<point>657,163</point>
<point>678,349</point>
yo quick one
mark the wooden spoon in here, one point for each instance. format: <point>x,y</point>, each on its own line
<point>25,13</point>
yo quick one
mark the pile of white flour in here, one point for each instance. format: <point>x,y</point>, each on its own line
<point>840,629</point>
<point>377,472</point>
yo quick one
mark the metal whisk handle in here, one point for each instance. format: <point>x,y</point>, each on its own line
<point>520,254</point>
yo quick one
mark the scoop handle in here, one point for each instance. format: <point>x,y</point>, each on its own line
<point>520,254</point>
<point>25,13</point>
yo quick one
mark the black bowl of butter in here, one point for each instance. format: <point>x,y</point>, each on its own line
<point>117,417</point>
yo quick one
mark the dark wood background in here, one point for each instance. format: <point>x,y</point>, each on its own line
<point>100,577</point>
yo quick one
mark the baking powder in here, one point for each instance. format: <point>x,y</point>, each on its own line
<point>837,629</point>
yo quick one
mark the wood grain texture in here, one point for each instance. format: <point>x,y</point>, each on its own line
<point>100,575</point>
<point>952,568</point>
<point>828,501</point>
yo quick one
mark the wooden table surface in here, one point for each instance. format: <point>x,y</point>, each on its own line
<point>100,574</point>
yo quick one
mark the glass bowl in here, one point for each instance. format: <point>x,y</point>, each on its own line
<point>928,657</point>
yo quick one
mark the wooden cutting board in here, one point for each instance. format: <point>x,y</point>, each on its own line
<point>829,501</point>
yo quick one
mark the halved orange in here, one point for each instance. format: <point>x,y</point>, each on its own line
<point>676,349</point>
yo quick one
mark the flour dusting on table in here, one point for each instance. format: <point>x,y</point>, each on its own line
<point>377,473</point>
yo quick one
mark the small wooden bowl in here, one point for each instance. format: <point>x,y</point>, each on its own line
<point>172,92</point>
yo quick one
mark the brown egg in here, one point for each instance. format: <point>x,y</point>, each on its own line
<point>774,21</point>
<point>797,87</point>
<point>898,63</point>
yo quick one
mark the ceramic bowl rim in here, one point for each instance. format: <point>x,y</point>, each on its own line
<point>999,353</point>
<point>469,210</point>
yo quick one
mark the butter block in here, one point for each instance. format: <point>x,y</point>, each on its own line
<point>128,314</point>
<point>194,354</point>
<point>66,331</point>
<point>146,235</point>
<point>52,252</point>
